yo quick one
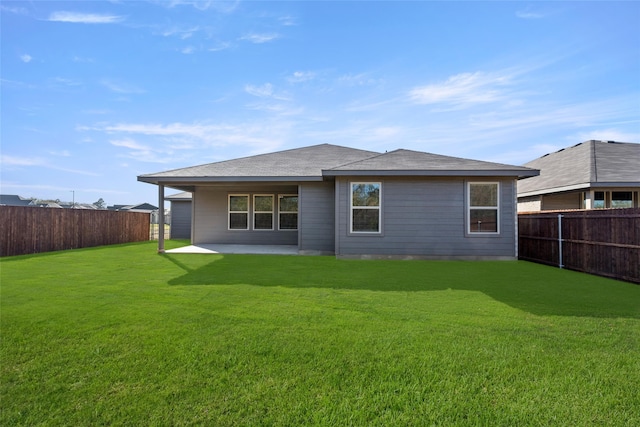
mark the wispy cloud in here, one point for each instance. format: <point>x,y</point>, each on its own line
<point>463,90</point>
<point>129,143</point>
<point>259,38</point>
<point>529,14</point>
<point>16,10</point>
<point>181,33</point>
<point>266,90</point>
<point>8,161</point>
<point>120,87</point>
<point>26,58</point>
<point>301,76</point>
<point>219,6</point>
<point>288,20</point>
<point>361,79</point>
<point>84,18</point>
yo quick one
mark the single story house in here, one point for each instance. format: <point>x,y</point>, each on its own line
<point>14,200</point>
<point>329,199</point>
<point>589,175</point>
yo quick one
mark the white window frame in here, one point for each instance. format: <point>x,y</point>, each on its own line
<point>468,226</point>
<point>255,211</point>
<point>280,196</point>
<point>378,208</point>
<point>229,211</point>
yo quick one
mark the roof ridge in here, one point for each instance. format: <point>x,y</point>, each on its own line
<point>360,160</point>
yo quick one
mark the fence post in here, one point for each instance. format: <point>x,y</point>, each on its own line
<point>160,218</point>
<point>560,264</point>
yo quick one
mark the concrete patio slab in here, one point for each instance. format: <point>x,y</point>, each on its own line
<point>212,248</point>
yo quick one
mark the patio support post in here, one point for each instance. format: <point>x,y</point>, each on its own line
<point>160,218</point>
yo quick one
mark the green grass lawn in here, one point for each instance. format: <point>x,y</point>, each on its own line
<point>121,335</point>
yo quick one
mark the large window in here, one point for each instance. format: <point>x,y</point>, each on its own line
<point>288,212</point>
<point>365,207</point>
<point>263,212</point>
<point>621,199</point>
<point>483,204</point>
<point>238,211</point>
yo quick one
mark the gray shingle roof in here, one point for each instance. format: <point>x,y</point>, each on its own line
<point>295,164</point>
<point>315,162</point>
<point>408,162</point>
<point>590,163</point>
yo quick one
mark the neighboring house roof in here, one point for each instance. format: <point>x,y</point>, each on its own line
<point>14,200</point>
<point>185,196</point>
<point>315,162</point>
<point>142,207</point>
<point>588,164</point>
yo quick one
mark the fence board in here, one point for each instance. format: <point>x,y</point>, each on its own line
<point>605,242</point>
<point>28,230</point>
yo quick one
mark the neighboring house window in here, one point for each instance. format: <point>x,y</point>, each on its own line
<point>365,207</point>
<point>621,199</point>
<point>263,212</point>
<point>238,212</point>
<point>598,200</point>
<point>483,204</point>
<point>288,212</point>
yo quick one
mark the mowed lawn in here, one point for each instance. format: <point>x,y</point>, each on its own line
<point>121,335</point>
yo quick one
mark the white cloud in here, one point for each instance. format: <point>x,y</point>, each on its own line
<point>120,87</point>
<point>182,33</point>
<point>16,10</point>
<point>361,79</point>
<point>219,6</point>
<point>301,76</point>
<point>288,21</point>
<point>22,161</point>
<point>266,90</point>
<point>7,160</point>
<point>260,38</point>
<point>220,46</point>
<point>528,14</point>
<point>84,18</point>
<point>26,58</point>
<point>128,143</point>
<point>463,90</point>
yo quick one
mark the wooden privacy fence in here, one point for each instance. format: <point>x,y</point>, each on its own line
<point>28,230</point>
<point>605,242</point>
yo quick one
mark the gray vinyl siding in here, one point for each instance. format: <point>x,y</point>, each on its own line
<point>426,217</point>
<point>181,219</point>
<point>211,217</point>
<point>316,217</point>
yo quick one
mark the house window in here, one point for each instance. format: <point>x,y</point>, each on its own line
<point>238,211</point>
<point>288,212</point>
<point>263,212</point>
<point>483,204</point>
<point>365,207</point>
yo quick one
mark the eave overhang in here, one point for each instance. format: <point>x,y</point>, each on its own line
<point>203,180</point>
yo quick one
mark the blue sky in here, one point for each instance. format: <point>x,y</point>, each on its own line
<point>96,93</point>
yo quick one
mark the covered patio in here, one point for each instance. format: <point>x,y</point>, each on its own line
<point>214,248</point>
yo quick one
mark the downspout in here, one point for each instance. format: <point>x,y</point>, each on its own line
<point>160,218</point>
